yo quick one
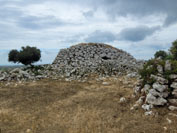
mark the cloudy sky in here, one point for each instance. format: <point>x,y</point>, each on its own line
<point>139,27</point>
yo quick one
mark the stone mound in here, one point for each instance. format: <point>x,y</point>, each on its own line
<point>96,57</point>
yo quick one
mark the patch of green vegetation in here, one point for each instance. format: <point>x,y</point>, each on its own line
<point>151,66</point>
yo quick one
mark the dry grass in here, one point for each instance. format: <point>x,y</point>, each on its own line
<point>50,106</point>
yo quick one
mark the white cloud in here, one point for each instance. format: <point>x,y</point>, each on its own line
<point>55,24</point>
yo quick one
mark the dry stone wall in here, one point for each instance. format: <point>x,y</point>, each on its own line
<point>163,92</point>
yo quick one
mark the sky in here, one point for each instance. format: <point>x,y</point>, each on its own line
<point>140,27</point>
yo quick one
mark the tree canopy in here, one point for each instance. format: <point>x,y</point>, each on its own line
<point>27,55</point>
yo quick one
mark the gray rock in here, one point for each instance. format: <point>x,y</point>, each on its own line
<point>146,88</point>
<point>137,89</point>
<point>172,101</point>
<point>172,114</point>
<point>2,77</point>
<point>105,83</point>
<point>155,100</point>
<point>174,85</point>
<point>147,107</point>
<point>122,100</point>
<point>40,77</point>
<point>174,93</point>
<point>159,94</point>
<point>140,100</point>
<point>173,76</point>
<point>16,70</point>
<point>172,108</point>
<point>159,79</point>
<point>159,87</point>
<point>148,113</point>
<point>169,121</point>
<point>132,75</point>
<point>167,65</point>
<point>160,69</point>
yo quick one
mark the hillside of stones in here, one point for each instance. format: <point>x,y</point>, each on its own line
<point>78,62</point>
<point>96,58</point>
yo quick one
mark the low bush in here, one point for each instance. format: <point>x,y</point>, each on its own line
<point>162,54</point>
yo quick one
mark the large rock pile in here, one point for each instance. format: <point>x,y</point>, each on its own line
<point>96,58</point>
<point>77,62</point>
<point>163,92</point>
<point>25,73</point>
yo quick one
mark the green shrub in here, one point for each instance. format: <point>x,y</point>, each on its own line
<point>150,68</point>
<point>162,54</point>
<point>174,66</point>
<point>173,50</point>
<point>13,56</point>
<point>27,55</point>
<point>169,57</point>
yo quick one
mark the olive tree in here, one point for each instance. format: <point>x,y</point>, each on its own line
<point>27,55</point>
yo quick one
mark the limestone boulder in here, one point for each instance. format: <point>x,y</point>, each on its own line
<point>174,85</point>
<point>172,101</point>
<point>159,87</point>
<point>150,99</point>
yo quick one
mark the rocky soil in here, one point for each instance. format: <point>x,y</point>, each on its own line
<point>96,105</point>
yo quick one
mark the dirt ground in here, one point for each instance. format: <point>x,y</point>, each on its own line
<point>57,106</point>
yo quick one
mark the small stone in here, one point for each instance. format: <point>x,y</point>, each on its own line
<point>172,108</point>
<point>148,113</point>
<point>174,85</point>
<point>137,89</point>
<point>159,79</point>
<point>174,93</point>
<point>167,65</point>
<point>140,100</point>
<point>173,76</point>
<point>122,100</point>
<point>162,94</point>
<point>160,69</point>
<point>169,121</point>
<point>165,128</point>
<point>172,114</point>
<point>2,78</point>
<point>173,101</point>
<point>147,107</point>
<point>146,88</point>
<point>105,83</point>
<point>159,87</point>
<point>66,79</point>
<point>28,131</point>
<point>131,75</point>
<point>155,101</point>
<point>135,106</point>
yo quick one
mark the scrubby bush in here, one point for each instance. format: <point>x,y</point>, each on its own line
<point>162,54</point>
<point>173,50</point>
<point>150,68</point>
<point>13,56</point>
<point>27,55</point>
<point>169,57</point>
